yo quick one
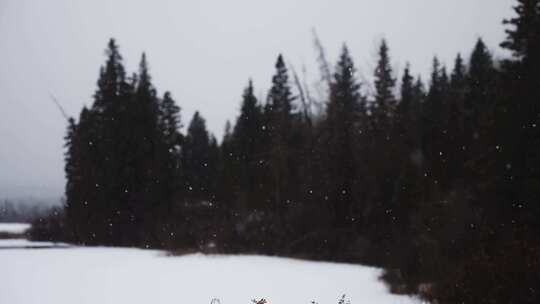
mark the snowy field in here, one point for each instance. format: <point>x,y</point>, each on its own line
<point>22,243</point>
<point>14,228</point>
<point>117,275</point>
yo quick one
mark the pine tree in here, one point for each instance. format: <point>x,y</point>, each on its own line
<point>520,115</point>
<point>118,167</point>
<point>407,87</point>
<point>112,80</point>
<point>82,205</point>
<point>280,119</point>
<point>385,102</point>
<point>227,133</point>
<point>408,110</point>
<point>214,162</point>
<point>419,94</point>
<point>170,119</point>
<point>195,157</point>
<point>343,113</point>
<point>435,125</point>
<point>523,39</point>
<point>249,151</point>
<point>101,148</point>
<point>458,77</point>
<point>169,146</point>
<point>147,188</point>
<point>73,174</point>
<point>248,126</point>
<point>228,170</point>
<point>479,99</point>
<point>458,91</point>
<point>404,114</point>
<point>456,143</point>
<point>384,145</point>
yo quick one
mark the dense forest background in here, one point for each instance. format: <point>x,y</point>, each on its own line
<point>26,210</point>
<point>437,181</point>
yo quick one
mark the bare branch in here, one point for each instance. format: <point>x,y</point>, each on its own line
<point>305,104</point>
<point>59,106</point>
<point>324,66</point>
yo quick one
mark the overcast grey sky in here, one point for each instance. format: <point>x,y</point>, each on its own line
<point>202,51</point>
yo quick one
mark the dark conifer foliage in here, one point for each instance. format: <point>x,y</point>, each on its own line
<point>343,112</point>
<point>170,124</point>
<point>521,119</point>
<point>121,161</point>
<point>523,35</point>
<point>385,101</point>
<point>249,153</point>
<point>438,183</point>
<point>280,119</point>
<point>195,160</point>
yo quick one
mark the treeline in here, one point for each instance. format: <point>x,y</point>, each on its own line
<point>437,181</point>
<point>23,210</point>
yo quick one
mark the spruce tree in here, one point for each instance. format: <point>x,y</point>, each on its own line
<point>343,113</point>
<point>521,115</point>
<point>408,110</point>
<point>100,132</point>
<point>434,126</point>
<point>407,86</point>
<point>280,122</point>
<point>385,140</point>
<point>248,126</point>
<point>112,80</point>
<point>479,98</point>
<point>404,114</point>
<point>147,188</point>
<point>170,119</point>
<point>457,143</point>
<point>195,158</point>
<point>228,183</point>
<point>523,37</point>
<point>170,124</point>
<point>248,151</point>
<point>73,174</point>
<point>458,91</point>
<point>458,77</point>
<point>82,205</point>
<point>481,78</point>
<point>384,85</point>
<point>169,148</point>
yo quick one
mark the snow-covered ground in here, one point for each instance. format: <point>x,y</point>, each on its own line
<point>120,275</point>
<point>22,243</point>
<point>14,228</point>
